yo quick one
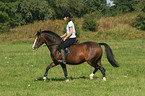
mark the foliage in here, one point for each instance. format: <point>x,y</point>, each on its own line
<point>110,28</point>
<point>32,10</point>
<point>139,22</point>
<point>20,12</point>
<point>95,5</point>
<point>89,23</point>
<point>129,6</point>
<point>7,14</point>
<point>124,5</point>
<point>75,7</point>
<point>3,21</point>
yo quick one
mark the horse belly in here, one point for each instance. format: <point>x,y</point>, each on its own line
<point>75,58</point>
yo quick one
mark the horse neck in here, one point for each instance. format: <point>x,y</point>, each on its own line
<point>52,45</point>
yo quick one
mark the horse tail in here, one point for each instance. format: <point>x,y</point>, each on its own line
<point>110,55</point>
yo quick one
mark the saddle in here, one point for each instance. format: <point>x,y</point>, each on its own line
<point>68,49</point>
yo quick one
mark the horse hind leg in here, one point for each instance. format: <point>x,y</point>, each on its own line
<point>103,72</point>
<point>93,64</point>
<point>92,74</point>
<point>100,67</point>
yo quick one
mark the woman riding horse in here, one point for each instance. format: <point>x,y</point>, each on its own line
<point>70,37</point>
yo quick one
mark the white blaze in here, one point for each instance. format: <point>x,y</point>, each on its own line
<point>34,43</point>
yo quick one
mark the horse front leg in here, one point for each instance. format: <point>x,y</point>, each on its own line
<point>47,68</point>
<point>65,72</point>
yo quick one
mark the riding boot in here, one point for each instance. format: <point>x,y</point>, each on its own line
<point>63,55</point>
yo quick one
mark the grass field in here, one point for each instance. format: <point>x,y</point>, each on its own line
<point>22,70</point>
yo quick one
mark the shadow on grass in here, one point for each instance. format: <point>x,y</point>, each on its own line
<point>63,79</point>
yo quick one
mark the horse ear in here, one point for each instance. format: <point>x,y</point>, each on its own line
<point>38,33</point>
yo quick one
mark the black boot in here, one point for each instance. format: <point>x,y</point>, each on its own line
<point>63,55</point>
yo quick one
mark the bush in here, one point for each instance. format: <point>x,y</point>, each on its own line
<point>32,10</point>
<point>4,18</point>
<point>89,23</point>
<point>4,27</point>
<point>140,21</point>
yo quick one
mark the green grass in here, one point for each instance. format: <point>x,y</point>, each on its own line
<point>22,69</point>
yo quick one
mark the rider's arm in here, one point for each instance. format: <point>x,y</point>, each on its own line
<point>71,31</point>
<point>63,35</point>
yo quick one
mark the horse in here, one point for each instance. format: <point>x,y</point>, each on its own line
<point>90,52</point>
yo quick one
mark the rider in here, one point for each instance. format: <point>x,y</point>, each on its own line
<point>69,36</point>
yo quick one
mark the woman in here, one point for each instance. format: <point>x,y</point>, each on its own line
<point>69,36</point>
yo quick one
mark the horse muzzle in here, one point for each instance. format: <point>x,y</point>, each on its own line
<point>34,47</point>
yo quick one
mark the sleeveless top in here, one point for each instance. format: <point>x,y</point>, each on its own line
<point>71,24</point>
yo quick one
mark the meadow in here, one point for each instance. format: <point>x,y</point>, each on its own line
<point>22,70</point>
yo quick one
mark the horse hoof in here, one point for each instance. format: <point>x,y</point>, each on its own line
<point>104,78</point>
<point>67,80</point>
<point>91,77</point>
<point>44,78</point>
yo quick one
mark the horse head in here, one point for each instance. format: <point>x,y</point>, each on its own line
<point>48,37</point>
<point>38,41</point>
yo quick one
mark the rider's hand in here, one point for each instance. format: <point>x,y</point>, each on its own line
<point>64,38</point>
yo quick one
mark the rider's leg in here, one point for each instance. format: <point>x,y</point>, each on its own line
<point>63,55</point>
<point>65,44</point>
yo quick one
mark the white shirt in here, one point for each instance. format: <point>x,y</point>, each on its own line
<point>71,24</point>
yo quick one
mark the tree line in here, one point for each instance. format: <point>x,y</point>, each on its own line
<point>19,12</point>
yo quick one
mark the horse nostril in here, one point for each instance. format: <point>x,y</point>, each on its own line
<point>33,47</point>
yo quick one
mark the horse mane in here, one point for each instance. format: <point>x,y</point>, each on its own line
<point>52,35</point>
